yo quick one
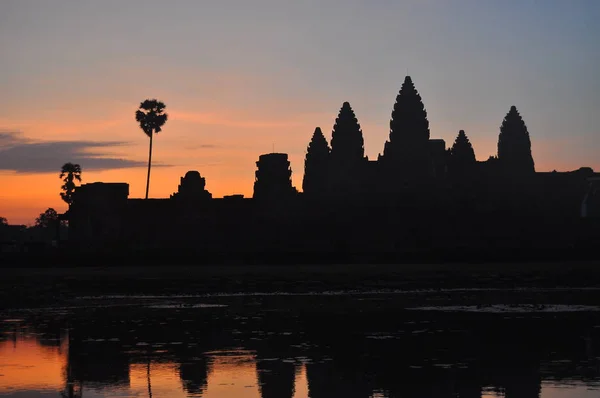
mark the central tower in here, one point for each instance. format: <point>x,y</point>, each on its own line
<point>406,155</point>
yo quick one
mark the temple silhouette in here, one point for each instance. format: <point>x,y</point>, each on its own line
<point>417,194</point>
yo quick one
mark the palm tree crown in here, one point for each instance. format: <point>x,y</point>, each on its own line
<point>151,116</point>
<point>69,173</point>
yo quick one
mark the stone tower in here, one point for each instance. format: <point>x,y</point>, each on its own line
<point>514,145</point>
<point>406,155</point>
<point>273,177</point>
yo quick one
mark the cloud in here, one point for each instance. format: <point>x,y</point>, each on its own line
<point>23,155</point>
<point>201,146</point>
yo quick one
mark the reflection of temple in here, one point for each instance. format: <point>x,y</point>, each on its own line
<point>454,357</point>
<point>194,376</point>
<point>417,186</point>
<point>333,379</point>
<point>96,365</point>
<point>275,378</point>
<point>523,383</point>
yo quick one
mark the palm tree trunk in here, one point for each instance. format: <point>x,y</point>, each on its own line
<point>149,164</point>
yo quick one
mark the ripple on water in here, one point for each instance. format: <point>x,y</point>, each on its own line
<point>380,337</point>
<point>501,308</point>
<point>185,306</point>
<point>340,293</point>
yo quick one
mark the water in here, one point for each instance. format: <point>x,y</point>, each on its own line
<point>271,346</point>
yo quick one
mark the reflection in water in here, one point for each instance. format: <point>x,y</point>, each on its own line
<point>27,364</point>
<point>194,376</point>
<point>276,378</point>
<point>271,349</point>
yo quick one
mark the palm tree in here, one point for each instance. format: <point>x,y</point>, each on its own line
<point>151,118</point>
<point>69,173</point>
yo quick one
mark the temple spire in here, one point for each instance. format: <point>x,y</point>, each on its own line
<point>407,150</point>
<point>316,165</point>
<point>514,145</point>
<point>347,153</point>
<point>347,143</point>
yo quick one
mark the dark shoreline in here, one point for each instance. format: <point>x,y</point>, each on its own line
<point>66,257</point>
<point>40,286</point>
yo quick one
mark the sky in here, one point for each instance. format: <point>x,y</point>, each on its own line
<point>242,78</point>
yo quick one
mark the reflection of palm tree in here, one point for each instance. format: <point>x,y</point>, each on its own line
<point>151,118</point>
<point>69,390</point>
<point>148,376</point>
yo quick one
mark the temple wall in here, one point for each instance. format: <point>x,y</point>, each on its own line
<point>486,210</point>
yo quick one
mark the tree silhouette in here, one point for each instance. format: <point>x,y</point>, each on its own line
<point>69,173</point>
<point>514,144</point>
<point>408,145</point>
<point>3,221</point>
<point>316,164</point>
<point>462,155</point>
<point>151,118</point>
<point>47,219</point>
<point>347,144</point>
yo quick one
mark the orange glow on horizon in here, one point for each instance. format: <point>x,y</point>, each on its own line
<point>223,145</point>
<point>32,193</point>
